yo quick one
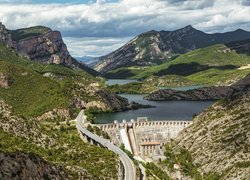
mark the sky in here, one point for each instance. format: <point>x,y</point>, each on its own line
<point>97,27</point>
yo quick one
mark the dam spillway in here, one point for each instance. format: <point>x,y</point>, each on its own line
<point>146,138</point>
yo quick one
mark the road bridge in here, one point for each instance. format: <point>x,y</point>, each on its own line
<point>130,172</point>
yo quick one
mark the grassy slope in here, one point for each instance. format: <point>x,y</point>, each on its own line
<point>132,88</point>
<point>28,32</point>
<point>213,56</point>
<point>32,94</point>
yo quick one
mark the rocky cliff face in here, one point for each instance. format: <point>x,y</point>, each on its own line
<point>41,44</point>
<point>200,94</point>
<point>218,139</point>
<point>154,47</point>
<point>46,48</point>
<point>5,37</point>
<point>24,166</point>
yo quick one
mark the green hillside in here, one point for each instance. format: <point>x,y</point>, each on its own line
<point>28,32</point>
<point>215,62</point>
<point>31,94</point>
<point>25,94</point>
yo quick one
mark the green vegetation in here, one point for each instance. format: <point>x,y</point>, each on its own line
<point>168,81</point>
<point>69,150</point>
<point>184,159</point>
<point>11,56</point>
<point>215,76</point>
<point>132,88</point>
<point>130,155</point>
<point>152,170</point>
<point>125,72</point>
<point>31,94</point>
<point>20,34</point>
<point>96,130</point>
<point>245,164</point>
<point>206,66</point>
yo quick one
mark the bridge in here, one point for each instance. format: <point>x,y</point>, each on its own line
<point>144,138</point>
<point>130,172</point>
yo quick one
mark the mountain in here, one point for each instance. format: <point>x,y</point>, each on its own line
<point>155,47</point>
<point>88,60</point>
<point>37,102</point>
<point>41,44</point>
<point>216,145</point>
<point>241,47</point>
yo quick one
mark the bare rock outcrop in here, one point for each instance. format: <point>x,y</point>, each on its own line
<point>47,48</point>
<point>5,81</point>
<point>5,37</point>
<point>55,114</point>
<point>27,166</point>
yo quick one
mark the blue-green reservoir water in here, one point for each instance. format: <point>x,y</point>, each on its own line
<point>119,81</point>
<point>164,110</point>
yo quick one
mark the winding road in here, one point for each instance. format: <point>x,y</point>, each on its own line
<point>130,172</point>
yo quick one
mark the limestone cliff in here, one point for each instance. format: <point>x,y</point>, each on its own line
<point>46,48</point>
<point>41,44</point>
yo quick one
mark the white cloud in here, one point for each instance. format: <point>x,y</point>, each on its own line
<point>126,18</point>
<point>93,46</point>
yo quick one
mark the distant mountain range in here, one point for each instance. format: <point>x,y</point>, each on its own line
<point>156,47</point>
<point>90,61</point>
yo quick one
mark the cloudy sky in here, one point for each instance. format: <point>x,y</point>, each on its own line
<point>95,28</point>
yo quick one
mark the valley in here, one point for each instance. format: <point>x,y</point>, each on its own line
<point>164,105</point>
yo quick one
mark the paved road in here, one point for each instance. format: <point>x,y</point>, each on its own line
<point>130,172</point>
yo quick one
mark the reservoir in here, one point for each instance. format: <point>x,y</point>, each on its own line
<point>164,110</point>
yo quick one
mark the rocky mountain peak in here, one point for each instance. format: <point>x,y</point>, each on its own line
<point>186,29</point>
<point>155,47</point>
<point>42,44</point>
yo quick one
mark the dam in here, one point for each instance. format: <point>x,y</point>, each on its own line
<point>144,138</point>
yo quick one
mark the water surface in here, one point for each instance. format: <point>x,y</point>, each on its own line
<point>119,81</point>
<point>164,110</point>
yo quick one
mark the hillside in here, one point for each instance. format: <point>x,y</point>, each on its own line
<point>218,62</point>
<point>30,148</point>
<point>34,89</point>
<point>216,145</point>
<point>37,101</point>
<point>199,94</point>
<point>156,47</point>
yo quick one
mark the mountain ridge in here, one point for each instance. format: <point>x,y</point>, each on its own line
<point>155,47</point>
